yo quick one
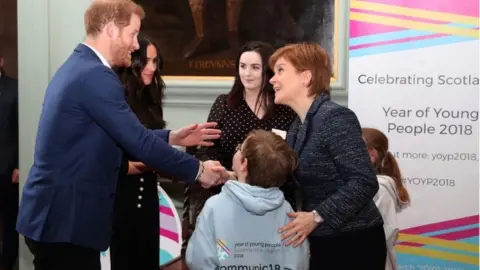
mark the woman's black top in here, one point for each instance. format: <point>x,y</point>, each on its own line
<point>236,123</point>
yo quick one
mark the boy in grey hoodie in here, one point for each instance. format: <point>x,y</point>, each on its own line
<point>238,228</point>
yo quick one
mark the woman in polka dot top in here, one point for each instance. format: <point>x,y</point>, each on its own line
<point>248,106</point>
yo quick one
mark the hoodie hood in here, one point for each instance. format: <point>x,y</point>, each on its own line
<point>256,200</point>
<point>388,183</point>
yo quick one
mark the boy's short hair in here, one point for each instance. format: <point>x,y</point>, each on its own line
<point>270,160</point>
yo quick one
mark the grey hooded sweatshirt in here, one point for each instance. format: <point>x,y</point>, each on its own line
<point>238,230</point>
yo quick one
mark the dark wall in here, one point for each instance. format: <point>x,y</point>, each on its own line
<point>8,36</point>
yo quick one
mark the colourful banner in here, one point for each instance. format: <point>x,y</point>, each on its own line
<point>414,68</point>
<point>170,229</point>
<point>170,233</point>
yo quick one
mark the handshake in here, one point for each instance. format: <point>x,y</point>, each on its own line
<point>212,173</point>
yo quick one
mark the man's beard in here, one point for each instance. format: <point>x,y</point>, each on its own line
<point>121,55</point>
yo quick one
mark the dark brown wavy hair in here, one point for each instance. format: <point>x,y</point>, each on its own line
<point>266,95</point>
<point>385,164</point>
<point>146,101</point>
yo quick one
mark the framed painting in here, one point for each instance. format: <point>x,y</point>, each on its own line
<point>199,39</point>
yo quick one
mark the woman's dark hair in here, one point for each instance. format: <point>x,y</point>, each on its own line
<point>266,94</point>
<point>385,164</point>
<point>146,101</point>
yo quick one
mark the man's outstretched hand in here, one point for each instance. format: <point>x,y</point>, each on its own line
<point>213,174</point>
<point>196,134</point>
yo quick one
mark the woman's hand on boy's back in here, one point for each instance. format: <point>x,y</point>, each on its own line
<point>298,229</point>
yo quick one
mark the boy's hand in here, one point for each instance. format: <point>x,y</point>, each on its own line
<point>229,175</point>
<point>212,174</point>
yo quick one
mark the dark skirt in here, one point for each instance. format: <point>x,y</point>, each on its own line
<point>135,239</point>
<point>361,249</point>
<point>8,214</point>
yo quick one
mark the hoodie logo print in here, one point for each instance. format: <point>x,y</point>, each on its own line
<point>222,250</point>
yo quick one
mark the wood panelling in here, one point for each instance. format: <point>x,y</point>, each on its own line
<point>8,36</point>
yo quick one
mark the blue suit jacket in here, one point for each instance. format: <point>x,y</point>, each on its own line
<point>85,121</point>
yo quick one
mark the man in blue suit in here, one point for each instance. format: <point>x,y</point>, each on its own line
<point>67,203</point>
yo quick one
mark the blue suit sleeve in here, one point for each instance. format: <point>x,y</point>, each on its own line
<point>103,99</point>
<point>202,249</point>
<point>162,133</point>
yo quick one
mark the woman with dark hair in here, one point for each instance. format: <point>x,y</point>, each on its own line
<point>135,239</point>
<point>249,104</point>
<point>144,87</point>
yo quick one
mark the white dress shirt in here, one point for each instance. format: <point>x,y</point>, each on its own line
<point>104,61</point>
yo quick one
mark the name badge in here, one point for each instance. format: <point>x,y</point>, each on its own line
<point>281,133</point>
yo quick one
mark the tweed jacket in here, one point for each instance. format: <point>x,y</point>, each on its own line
<point>335,172</point>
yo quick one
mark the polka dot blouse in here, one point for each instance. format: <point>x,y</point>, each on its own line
<point>237,122</point>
